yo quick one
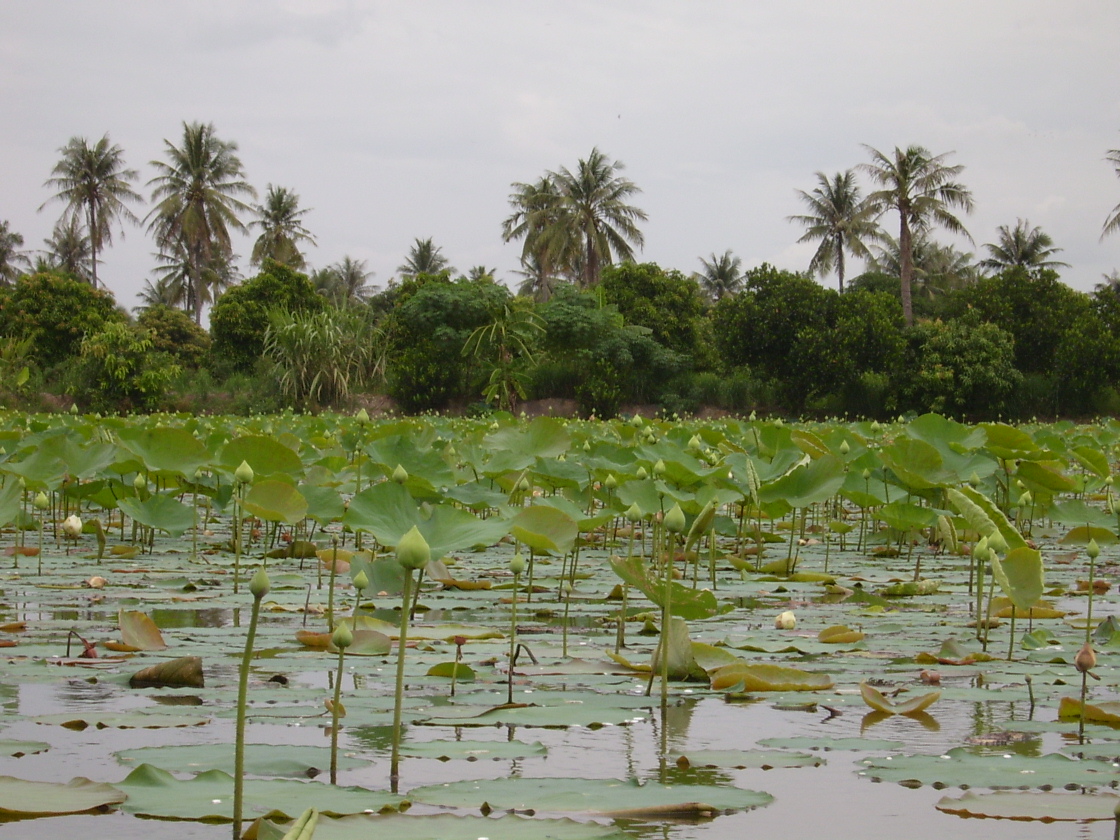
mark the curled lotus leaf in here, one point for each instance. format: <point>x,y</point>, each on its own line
<point>881,703</point>
<point>839,634</point>
<point>745,677</point>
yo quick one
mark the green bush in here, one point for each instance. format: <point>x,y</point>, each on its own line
<point>117,370</point>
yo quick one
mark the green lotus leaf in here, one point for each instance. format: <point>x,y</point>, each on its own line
<point>276,501</point>
<point>296,761</point>
<point>1046,806</point>
<point>746,759</point>
<point>266,455</point>
<point>881,703</point>
<point>19,798</point>
<point>159,511</point>
<point>961,768</point>
<point>450,827</point>
<point>474,750</point>
<point>746,677</point>
<point>545,529</point>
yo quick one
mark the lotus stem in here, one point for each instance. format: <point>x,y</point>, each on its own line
<point>512,636</point>
<point>259,587</point>
<point>398,699</point>
<point>330,587</point>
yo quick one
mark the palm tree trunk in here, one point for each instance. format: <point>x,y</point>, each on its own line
<point>906,268</point>
<point>92,221</point>
<point>840,265</point>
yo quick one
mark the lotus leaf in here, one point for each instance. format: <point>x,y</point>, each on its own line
<point>1107,712</point>
<point>1046,806</point>
<point>961,768</point>
<point>296,761</point>
<point>276,501</point>
<point>744,677</point>
<point>880,703</point>
<point>19,798</point>
<point>839,634</point>
<point>450,827</point>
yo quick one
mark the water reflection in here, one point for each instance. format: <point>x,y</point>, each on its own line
<point>178,618</point>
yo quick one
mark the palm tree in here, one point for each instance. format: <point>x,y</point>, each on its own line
<point>535,208</point>
<point>281,227</point>
<point>68,249</point>
<point>938,269</point>
<point>589,220</point>
<point>345,282</point>
<point>841,219</point>
<point>1022,245</point>
<point>922,189</point>
<point>722,276</point>
<point>175,271</point>
<point>94,183</point>
<point>481,272</point>
<point>1112,223</point>
<point>424,257</point>
<point>196,203</point>
<point>535,281</point>
<point>166,291</point>
<point>13,262</point>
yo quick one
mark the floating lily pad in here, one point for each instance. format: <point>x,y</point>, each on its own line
<point>450,827</point>
<point>473,750</point>
<point>1034,805</point>
<point>19,798</point>
<point>209,796</point>
<point>881,703</point>
<point>743,759</point>
<point>588,796</point>
<point>18,749</point>
<point>961,768</point>
<point>805,743</point>
<point>120,720</point>
<point>745,677</point>
<point>293,761</point>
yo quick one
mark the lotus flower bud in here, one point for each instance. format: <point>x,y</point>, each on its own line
<point>636,421</point>
<point>400,474</point>
<point>866,474</point>
<point>566,588</point>
<point>1093,550</point>
<point>980,550</point>
<point>974,479</point>
<point>695,444</point>
<point>41,501</point>
<point>259,585</point>
<point>361,581</point>
<point>342,637</point>
<point>72,526</point>
<point>244,473</point>
<point>997,542</point>
<point>785,621</point>
<point>1108,481</point>
<point>659,468</point>
<point>634,513</point>
<point>587,446</point>
<point>517,563</point>
<point>523,485</point>
<point>650,437</point>
<point>753,416</point>
<point>641,473</point>
<point>1026,499</point>
<point>611,482</point>
<point>674,520</point>
<point>140,482</point>
<point>413,551</point>
<point>844,448</point>
<point>362,416</point>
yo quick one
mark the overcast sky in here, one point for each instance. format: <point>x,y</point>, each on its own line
<point>402,120</point>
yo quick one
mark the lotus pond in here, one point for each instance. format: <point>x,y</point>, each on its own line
<point>873,630</point>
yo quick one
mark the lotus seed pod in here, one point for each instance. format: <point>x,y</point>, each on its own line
<point>785,621</point>
<point>72,526</point>
<point>659,468</point>
<point>641,473</point>
<point>517,563</point>
<point>413,551</point>
<point>674,520</point>
<point>844,448</point>
<point>400,474</point>
<point>1086,659</point>
<point>1093,550</point>
<point>361,581</point>
<point>140,482</point>
<point>997,542</point>
<point>41,501</point>
<point>244,473</point>
<point>362,416</point>
<point>259,585</point>
<point>342,637</point>
<point>634,513</point>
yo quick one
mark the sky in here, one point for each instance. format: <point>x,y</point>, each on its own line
<point>398,121</point>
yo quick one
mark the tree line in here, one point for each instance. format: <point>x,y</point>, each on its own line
<point>924,327</point>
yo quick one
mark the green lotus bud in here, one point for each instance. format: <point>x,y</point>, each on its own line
<point>342,637</point>
<point>997,542</point>
<point>980,550</point>
<point>866,474</point>
<point>566,588</point>
<point>41,501</point>
<point>659,468</point>
<point>587,446</point>
<point>362,416</point>
<point>244,473</point>
<point>641,473</point>
<point>778,422</point>
<point>844,448</point>
<point>674,520</point>
<point>22,483</point>
<point>1026,499</point>
<point>517,563</point>
<point>259,585</point>
<point>400,474</point>
<point>1108,481</point>
<point>1093,550</point>
<point>650,438</point>
<point>753,416</point>
<point>140,482</point>
<point>974,479</point>
<point>523,485</point>
<point>611,482</point>
<point>413,551</point>
<point>695,444</point>
<point>634,513</point>
<point>636,421</point>
<point>361,580</point>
